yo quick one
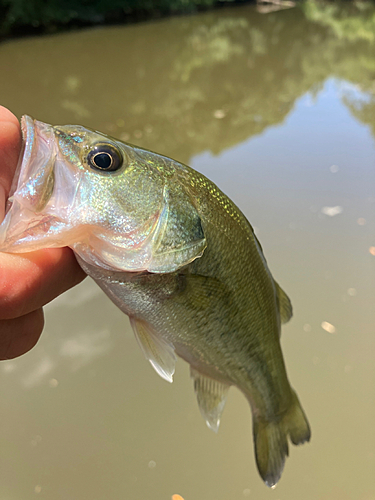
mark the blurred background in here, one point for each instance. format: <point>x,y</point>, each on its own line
<point>275,104</point>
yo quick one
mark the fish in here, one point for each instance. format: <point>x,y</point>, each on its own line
<point>176,255</point>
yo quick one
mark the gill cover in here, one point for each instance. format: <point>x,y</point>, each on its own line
<point>180,237</point>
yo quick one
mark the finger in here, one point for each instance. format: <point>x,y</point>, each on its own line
<point>10,147</point>
<point>18,336</point>
<point>29,281</point>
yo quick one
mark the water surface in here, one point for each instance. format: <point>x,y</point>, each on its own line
<point>278,110</point>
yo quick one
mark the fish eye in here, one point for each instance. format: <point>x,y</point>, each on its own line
<point>105,157</point>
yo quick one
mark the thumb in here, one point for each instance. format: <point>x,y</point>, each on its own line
<point>10,147</point>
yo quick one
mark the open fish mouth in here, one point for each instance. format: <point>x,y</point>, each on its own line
<point>31,189</point>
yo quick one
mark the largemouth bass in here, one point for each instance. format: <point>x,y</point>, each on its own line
<point>177,256</point>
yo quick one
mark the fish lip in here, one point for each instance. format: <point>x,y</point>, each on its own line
<point>36,152</point>
<point>33,133</point>
<point>22,213</point>
<point>28,133</point>
<point>28,136</point>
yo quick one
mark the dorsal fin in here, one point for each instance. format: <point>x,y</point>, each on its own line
<point>159,352</point>
<point>284,304</point>
<point>211,396</point>
<point>283,301</point>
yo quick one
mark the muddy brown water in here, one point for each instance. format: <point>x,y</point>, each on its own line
<point>278,110</point>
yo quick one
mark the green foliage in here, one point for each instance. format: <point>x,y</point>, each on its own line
<point>351,25</point>
<point>351,21</point>
<point>47,14</point>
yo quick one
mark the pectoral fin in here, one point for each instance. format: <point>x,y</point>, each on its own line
<point>159,352</point>
<point>211,396</point>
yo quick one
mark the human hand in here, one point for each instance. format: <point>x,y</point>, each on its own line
<point>31,280</point>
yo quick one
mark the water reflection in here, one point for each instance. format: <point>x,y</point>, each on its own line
<point>157,89</point>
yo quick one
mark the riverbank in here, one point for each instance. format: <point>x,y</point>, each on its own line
<point>27,17</point>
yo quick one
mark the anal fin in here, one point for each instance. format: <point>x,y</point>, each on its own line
<point>159,352</point>
<point>211,396</point>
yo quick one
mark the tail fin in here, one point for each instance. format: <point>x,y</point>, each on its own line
<point>271,441</point>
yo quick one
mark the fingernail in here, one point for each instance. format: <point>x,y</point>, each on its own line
<point>2,202</point>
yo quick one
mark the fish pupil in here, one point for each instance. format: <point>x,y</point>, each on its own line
<point>102,160</point>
